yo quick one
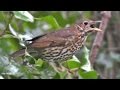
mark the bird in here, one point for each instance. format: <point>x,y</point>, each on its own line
<point>60,45</point>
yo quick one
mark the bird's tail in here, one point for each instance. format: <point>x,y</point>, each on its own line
<point>21,52</point>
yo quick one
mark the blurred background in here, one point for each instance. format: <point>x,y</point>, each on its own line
<point>107,63</point>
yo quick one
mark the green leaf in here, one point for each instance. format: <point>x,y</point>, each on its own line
<point>62,74</point>
<point>20,37</point>
<point>1,77</point>
<point>86,71</point>
<point>86,65</point>
<point>8,36</point>
<point>50,20</point>
<point>88,75</point>
<point>12,30</point>
<point>12,70</point>
<point>39,63</point>
<point>26,72</point>
<point>72,63</point>
<point>24,15</point>
<point>57,76</point>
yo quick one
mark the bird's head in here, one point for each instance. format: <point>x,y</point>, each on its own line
<point>88,27</point>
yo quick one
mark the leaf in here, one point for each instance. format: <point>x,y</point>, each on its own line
<point>115,56</point>
<point>88,75</point>
<point>12,70</point>
<point>1,77</point>
<point>13,31</point>
<point>39,63</point>
<point>72,63</point>
<point>24,15</point>
<point>8,36</point>
<point>26,72</point>
<point>62,74</point>
<point>86,65</point>
<point>20,37</point>
<point>4,60</point>
<point>57,76</point>
<point>74,58</point>
<point>86,71</point>
<point>50,20</point>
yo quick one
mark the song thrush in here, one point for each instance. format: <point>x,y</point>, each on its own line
<point>60,45</point>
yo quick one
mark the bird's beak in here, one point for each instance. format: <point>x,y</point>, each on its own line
<point>97,21</point>
<point>94,22</point>
<point>94,29</point>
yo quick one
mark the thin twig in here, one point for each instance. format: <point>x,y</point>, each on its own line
<point>99,37</point>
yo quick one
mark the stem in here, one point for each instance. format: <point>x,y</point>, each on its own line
<point>99,37</point>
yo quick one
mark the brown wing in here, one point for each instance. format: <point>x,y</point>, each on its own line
<point>57,38</point>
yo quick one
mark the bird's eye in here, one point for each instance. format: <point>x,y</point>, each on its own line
<point>85,23</point>
<point>92,26</point>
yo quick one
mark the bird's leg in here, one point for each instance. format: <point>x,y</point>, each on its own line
<point>60,67</point>
<point>67,67</point>
<point>57,66</point>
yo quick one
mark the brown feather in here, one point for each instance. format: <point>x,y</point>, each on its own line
<point>57,38</point>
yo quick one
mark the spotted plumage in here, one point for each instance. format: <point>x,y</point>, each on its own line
<point>60,45</point>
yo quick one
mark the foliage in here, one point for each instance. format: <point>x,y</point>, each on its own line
<point>23,25</point>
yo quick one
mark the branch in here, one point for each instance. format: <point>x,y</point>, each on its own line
<point>106,15</point>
